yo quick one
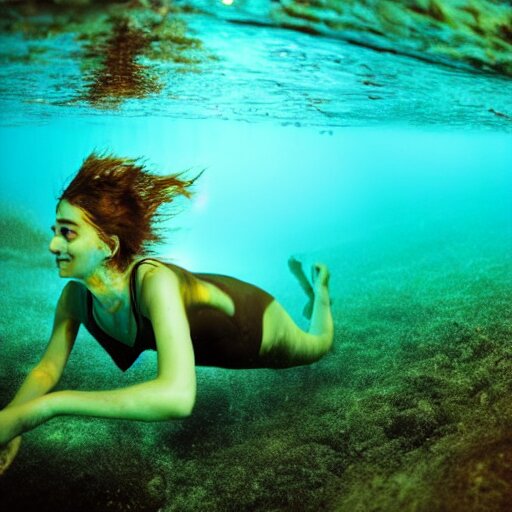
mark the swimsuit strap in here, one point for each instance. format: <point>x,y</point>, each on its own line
<point>133,289</point>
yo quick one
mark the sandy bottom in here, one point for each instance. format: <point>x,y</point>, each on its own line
<point>412,411</point>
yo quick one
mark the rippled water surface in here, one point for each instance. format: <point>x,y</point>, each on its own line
<point>253,73</point>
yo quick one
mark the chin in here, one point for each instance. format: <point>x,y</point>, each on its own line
<point>63,272</point>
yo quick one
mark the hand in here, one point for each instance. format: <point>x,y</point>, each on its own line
<point>8,453</point>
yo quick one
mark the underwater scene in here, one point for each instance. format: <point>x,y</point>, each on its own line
<point>373,136</point>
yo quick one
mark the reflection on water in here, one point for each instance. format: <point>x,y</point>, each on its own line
<point>116,70</point>
<point>119,75</point>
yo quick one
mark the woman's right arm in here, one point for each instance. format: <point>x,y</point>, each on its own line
<point>46,374</point>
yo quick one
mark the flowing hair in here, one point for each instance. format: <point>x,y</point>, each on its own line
<point>121,197</point>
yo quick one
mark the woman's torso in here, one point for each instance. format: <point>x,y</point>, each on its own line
<point>224,314</point>
<point>122,325</point>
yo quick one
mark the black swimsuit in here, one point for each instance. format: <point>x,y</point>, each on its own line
<point>218,339</point>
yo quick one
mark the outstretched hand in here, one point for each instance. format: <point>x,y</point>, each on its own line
<point>8,453</point>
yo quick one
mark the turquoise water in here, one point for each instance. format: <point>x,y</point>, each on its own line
<point>280,188</point>
<point>270,191</point>
<point>408,202</point>
<point>416,228</point>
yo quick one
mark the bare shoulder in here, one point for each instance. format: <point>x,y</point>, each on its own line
<point>152,272</point>
<point>157,282</point>
<point>156,276</point>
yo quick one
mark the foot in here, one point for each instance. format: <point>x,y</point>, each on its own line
<point>296,269</point>
<point>320,276</point>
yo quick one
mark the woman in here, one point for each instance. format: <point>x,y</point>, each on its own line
<point>105,220</point>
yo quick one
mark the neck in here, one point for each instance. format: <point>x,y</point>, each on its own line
<point>110,287</point>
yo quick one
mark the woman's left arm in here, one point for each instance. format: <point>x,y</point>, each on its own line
<point>170,395</point>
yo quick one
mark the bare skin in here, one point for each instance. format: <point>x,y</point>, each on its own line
<point>296,269</point>
<point>285,341</point>
<point>83,256</point>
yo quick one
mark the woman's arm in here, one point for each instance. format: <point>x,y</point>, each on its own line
<point>43,377</point>
<point>170,395</point>
<point>46,374</point>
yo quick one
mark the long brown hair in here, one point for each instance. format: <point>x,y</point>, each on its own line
<point>121,197</point>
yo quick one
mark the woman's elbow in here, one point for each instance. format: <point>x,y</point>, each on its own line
<point>184,406</point>
<point>186,409</point>
<point>179,404</point>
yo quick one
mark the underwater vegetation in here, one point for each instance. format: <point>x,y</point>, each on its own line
<point>410,412</point>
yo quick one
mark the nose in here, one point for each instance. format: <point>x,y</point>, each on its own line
<point>56,245</point>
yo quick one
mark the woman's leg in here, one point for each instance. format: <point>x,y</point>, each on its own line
<point>284,343</point>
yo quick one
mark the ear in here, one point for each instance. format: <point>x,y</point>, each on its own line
<point>113,244</point>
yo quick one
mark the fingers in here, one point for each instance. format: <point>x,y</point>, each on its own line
<point>8,454</point>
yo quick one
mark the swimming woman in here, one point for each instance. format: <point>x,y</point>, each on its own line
<point>129,302</point>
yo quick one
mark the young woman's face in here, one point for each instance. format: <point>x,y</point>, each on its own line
<point>78,249</point>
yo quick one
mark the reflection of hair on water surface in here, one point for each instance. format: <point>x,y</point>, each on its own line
<point>119,75</point>
<point>116,72</point>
